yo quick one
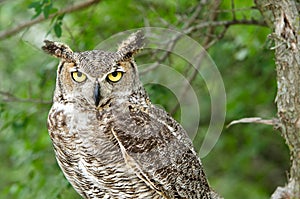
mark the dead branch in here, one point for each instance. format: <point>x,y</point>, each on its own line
<point>10,32</point>
<point>273,122</point>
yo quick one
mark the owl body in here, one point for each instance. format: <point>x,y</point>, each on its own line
<point>109,140</point>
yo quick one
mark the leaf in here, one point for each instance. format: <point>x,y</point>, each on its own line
<point>57,29</point>
<point>45,6</point>
<point>60,17</point>
<point>37,8</point>
<point>38,12</point>
<point>57,25</point>
<point>53,10</point>
<point>34,5</point>
<point>46,10</point>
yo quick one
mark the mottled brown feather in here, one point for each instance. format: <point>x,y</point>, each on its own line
<point>124,147</point>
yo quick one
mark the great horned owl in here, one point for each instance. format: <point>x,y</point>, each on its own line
<point>109,140</point>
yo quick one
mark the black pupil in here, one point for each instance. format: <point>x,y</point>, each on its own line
<point>79,74</point>
<point>114,74</point>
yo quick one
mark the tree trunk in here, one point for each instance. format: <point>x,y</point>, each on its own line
<point>283,17</point>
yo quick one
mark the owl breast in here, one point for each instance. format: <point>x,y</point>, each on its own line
<point>89,155</point>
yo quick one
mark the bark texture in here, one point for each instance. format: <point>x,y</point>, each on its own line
<point>283,17</point>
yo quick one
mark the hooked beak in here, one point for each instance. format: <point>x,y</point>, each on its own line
<point>97,94</point>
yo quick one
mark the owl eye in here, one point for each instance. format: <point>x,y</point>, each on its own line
<point>78,76</point>
<point>115,76</point>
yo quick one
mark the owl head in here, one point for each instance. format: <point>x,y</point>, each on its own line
<point>94,77</point>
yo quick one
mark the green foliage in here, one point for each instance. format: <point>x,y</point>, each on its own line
<point>249,161</point>
<point>57,25</point>
<point>45,7</point>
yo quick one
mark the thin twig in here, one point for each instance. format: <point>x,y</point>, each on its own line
<point>233,10</point>
<point>273,122</point>
<point>212,17</point>
<point>217,38</point>
<point>225,23</point>
<point>195,15</point>
<point>10,32</point>
<point>172,42</point>
<point>170,46</point>
<point>160,18</point>
<point>207,44</point>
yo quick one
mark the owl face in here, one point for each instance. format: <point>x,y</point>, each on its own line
<point>94,77</point>
<point>96,81</point>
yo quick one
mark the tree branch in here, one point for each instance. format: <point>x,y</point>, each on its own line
<point>10,32</point>
<point>172,42</point>
<point>206,44</point>
<point>210,24</point>
<point>225,23</point>
<point>273,122</point>
<point>195,14</point>
<point>283,17</point>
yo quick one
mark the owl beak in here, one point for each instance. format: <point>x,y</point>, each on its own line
<point>97,94</point>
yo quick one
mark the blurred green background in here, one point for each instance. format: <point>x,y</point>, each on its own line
<point>249,160</point>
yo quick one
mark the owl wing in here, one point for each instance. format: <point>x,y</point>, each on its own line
<point>161,153</point>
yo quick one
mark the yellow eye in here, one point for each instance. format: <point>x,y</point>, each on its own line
<point>115,76</point>
<point>78,76</point>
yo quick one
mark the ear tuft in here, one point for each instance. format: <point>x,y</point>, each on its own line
<point>58,50</point>
<point>132,45</point>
